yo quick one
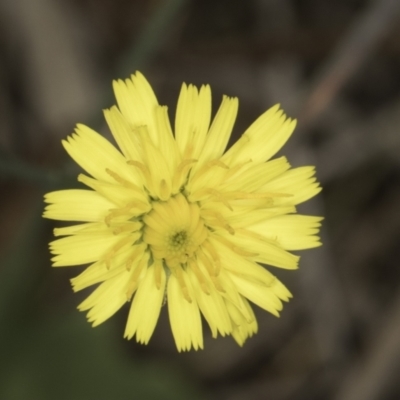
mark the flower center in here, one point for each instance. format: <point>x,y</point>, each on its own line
<point>174,230</point>
<point>178,241</point>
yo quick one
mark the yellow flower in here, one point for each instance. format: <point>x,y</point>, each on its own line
<point>177,218</point>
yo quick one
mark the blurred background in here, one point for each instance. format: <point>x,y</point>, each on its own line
<point>335,66</point>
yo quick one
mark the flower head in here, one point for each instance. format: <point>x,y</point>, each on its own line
<point>176,217</point>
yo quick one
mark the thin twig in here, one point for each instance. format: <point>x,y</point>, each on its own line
<point>143,49</point>
<point>351,53</point>
<point>151,38</point>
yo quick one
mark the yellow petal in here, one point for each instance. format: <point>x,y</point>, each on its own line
<point>264,252</point>
<point>261,295</point>
<point>300,183</point>
<point>95,154</point>
<point>255,175</point>
<point>157,166</point>
<point>122,133</point>
<point>243,267</point>
<point>98,272</point>
<point>292,232</point>
<point>106,300</point>
<point>192,120</point>
<point>119,195</point>
<point>184,317</point>
<point>146,307</point>
<point>242,327</point>
<point>137,103</point>
<point>220,131</point>
<point>76,205</point>
<point>81,249</point>
<point>212,306</point>
<point>262,139</point>
<point>167,144</point>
